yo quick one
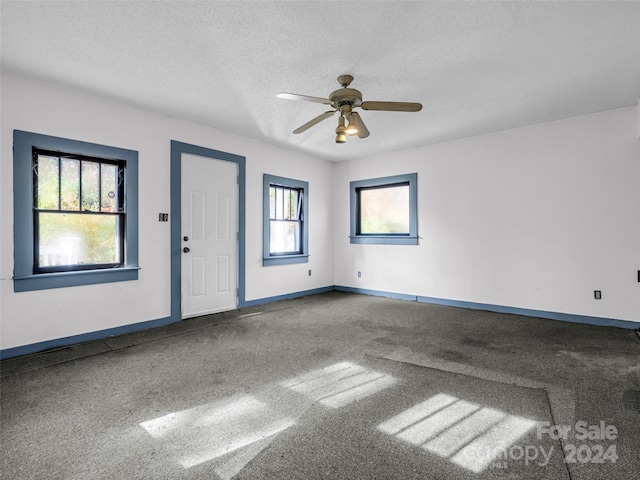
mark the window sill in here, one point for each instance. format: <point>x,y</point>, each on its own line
<point>384,239</point>
<point>284,260</point>
<point>46,281</point>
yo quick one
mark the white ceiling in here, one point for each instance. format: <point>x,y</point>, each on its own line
<point>477,67</point>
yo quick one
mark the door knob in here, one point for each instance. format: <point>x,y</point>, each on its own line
<point>186,239</point>
<point>186,250</point>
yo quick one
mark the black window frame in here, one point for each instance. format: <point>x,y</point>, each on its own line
<point>120,212</point>
<point>359,191</point>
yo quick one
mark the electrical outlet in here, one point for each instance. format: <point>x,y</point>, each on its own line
<point>163,217</point>
<point>597,294</point>
<point>359,274</point>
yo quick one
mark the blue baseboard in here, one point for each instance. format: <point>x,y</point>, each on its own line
<point>82,338</point>
<point>525,312</point>
<point>287,296</point>
<point>136,327</point>
<point>377,293</point>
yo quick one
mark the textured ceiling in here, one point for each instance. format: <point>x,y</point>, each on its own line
<point>477,67</point>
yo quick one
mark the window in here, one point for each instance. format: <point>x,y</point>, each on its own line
<point>285,221</point>
<point>75,213</point>
<point>384,210</point>
<point>78,210</point>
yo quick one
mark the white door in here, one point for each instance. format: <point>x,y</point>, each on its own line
<point>209,235</point>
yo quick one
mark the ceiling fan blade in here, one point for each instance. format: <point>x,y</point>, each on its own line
<point>363,131</point>
<point>306,98</point>
<point>392,106</point>
<point>311,123</point>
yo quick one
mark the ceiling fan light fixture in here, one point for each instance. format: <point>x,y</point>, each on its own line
<point>341,131</point>
<point>352,129</point>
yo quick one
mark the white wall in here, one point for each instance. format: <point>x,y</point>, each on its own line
<point>638,117</point>
<point>536,217</point>
<point>32,317</point>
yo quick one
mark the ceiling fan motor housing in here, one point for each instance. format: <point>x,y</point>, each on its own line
<point>345,96</point>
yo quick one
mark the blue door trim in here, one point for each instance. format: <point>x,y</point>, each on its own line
<point>177,149</point>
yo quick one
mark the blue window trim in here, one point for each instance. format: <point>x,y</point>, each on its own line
<point>24,279</point>
<point>177,149</point>
<point>267,258</point>
<point>391,239</point>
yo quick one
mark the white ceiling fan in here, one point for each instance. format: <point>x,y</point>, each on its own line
<point>344,100</point>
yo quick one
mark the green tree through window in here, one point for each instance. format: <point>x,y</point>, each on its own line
<point>384,210</point>
<point>79,212</point>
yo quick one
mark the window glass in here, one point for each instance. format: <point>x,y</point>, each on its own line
<point>83,231</point>
<point>108,188</point>
<point>285,237</point>
<point>90,186</point>
<point>272,202</point>
<point>279,203</point>
<point>69,184</point>
<point>66,239</point>
<point>48,185</point>
<point>384,210</point>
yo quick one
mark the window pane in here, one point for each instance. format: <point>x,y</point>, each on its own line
<point>90,186</point>
<point>70,184</point>
<point>77,239</point>
<point>294,205</point>
<point>299,205</point>
<point>384,210</point>
<point>48,183</point>
<point>279,203</point>
<point>272,202</point>
<point>285,237</point>
<point>287,204</point>
<point>109,189</point>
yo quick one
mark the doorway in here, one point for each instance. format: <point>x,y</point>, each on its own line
<point>207,231</point>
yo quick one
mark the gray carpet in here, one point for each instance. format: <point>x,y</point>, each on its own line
<point>330,386</point>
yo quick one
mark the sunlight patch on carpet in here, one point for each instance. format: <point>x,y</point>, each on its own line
<point>339,384</point>
<point>207,432</point>
<point>467,434</point>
